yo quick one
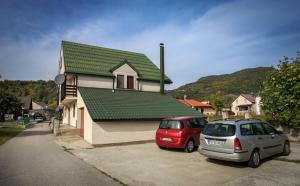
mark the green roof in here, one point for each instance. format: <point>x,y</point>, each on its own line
<point>94,60</point>
<point>103,104</point>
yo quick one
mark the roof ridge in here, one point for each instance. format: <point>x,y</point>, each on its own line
<point>94,46</point>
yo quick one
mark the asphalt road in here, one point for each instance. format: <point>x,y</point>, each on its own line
<point>33,158</point>
<point>148,165</point>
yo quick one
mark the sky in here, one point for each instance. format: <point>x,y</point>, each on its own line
<point>201,37</point>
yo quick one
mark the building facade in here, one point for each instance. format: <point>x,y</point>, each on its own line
<point>113,96</point>
<point>204,108</point>
<point>247,103</point>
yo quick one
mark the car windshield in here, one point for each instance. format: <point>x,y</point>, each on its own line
<point>219,129</point>
<point>170,124</point>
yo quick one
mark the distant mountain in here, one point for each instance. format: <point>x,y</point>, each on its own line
<point>228,86</point>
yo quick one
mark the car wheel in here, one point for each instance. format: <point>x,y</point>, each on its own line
<point>190,146</point>
<point>286,149</point>
<point>254,159</point>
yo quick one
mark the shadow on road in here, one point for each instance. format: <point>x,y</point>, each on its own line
<point>239,164</point>
<point>228,163</point>
<point>33,133</point>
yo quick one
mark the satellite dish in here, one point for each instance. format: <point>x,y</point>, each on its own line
<point>59,79</point>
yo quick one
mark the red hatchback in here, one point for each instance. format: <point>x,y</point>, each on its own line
<point>180,132</point>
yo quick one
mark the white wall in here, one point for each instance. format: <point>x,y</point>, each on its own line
<point>96,82</point>
<point>66,113</point>
<point>62,67</point>
<point>36,106</point>
<point>108,132</point>
<point>126,70</point>
<point>88,122</point>
<point>258,105</point>
<point>73,119</point>
<point>239,101</point>
<point>149,86</point>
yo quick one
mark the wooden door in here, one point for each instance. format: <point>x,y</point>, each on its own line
<point>130,82</point>
<point>120,81</point>
<point>82,122</point>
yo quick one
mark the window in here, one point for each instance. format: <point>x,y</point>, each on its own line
<point>258,129</point>
<point>130,82</point>
<point>269,129</point>
<point>246,130</point>
<point>194,123</point>
<point>219,129</point>
<point>202,122</point>
<point>243,108</point>
<point>120,81</point>
<point>170,124</point>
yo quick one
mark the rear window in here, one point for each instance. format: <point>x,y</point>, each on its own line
<point>170,124</point>
<point>219,129</point>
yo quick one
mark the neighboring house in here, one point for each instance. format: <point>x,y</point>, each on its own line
<point>114,96</point>
<point>204,108</point>
<point>246,103</point>
<point>26,102</point>
<point>39,106</point>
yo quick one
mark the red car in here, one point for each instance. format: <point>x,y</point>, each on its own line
<point>180,132</point>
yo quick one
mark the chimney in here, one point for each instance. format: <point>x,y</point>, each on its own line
<point>162,69</point>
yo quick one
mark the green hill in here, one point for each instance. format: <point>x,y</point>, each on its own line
<point>40,91</point>
<point>227,86</point>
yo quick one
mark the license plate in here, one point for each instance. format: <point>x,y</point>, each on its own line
<point>166,139</point>
<point>215,142</point>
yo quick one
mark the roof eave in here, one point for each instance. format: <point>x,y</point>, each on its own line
<point>167,81</point>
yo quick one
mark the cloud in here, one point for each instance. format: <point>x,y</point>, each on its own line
<point>226,38</point>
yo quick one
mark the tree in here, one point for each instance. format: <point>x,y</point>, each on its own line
<point>218,103</point>
<point>281,93</point>
<point>9,104</point>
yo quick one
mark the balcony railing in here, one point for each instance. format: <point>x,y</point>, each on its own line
<point>68,90</point>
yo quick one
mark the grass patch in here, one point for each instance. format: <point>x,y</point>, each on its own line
<point>7,133</point>
<point>287,160</point>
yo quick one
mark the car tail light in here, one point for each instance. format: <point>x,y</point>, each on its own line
<point>237,144</point>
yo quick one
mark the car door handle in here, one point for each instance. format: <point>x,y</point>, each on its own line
<point>259,138</point>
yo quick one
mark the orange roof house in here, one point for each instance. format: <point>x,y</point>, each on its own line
<point>197,105</point>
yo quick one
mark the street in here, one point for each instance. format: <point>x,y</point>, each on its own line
<point>33,158</point>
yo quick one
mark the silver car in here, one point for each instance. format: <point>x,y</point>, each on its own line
<point>242,141</point>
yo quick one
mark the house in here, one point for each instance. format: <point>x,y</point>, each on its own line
<point>114,96</point>
<point>39,106</point>
<point>246,103</point>
<point>26,102</point>
<point>204,108</point>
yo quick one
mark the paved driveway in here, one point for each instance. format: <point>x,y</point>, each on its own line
<point>33,158</point>
<point>145,164</point>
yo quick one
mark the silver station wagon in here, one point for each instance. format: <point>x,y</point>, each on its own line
<point>242,141</point>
